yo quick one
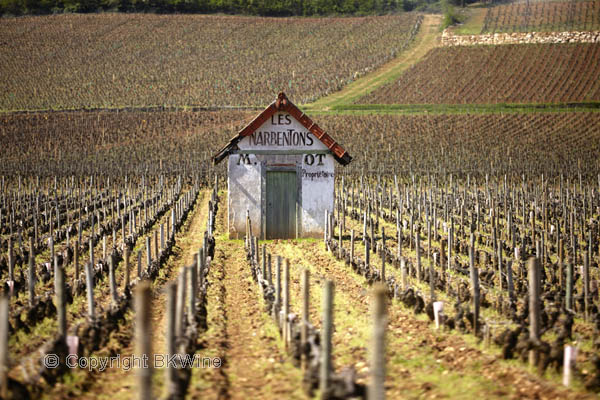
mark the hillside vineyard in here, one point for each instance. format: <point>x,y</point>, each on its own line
<point>229,207</point>
<point>144,60</point>
<point>130,142</point>
<point>528,73</point>
<point>543,16</point>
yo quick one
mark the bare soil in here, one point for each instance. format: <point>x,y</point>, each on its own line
<point>241,334</point>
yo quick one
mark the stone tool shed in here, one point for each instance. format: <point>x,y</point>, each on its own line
<point>281,171</point>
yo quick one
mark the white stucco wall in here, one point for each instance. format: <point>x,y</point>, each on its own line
<point>317,194</point>
<point>244,193</point>
<point>245,172</point>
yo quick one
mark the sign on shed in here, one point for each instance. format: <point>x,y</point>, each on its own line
<point>281,171</point>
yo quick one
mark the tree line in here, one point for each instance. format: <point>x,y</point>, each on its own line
<point>249,7</point>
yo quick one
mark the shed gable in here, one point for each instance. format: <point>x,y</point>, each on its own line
<point>283,126</point>
<point>281,132</point>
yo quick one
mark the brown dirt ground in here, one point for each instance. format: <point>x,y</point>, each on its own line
<point>241,334</point>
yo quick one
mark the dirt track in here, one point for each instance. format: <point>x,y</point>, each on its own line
<point>426,39</point>
<point>241,334</point>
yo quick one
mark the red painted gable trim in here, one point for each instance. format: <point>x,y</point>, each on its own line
<point>283,104</point>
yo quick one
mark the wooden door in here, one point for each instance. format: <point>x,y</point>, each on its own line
<point>282,195</point>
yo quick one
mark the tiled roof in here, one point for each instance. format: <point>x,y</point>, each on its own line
<point>282,103</point>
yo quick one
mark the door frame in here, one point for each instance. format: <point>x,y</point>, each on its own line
<point>263,194</point>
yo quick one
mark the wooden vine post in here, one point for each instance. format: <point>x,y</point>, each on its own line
<point>376,390</point>
<point>61,298</point>
<point>474,272</point>
<point>143,341</point>
<point>286,304</point>
<point>4,350</point>
<point>326,334</point>
<point>305,317</point>
<point>534,306</point>
<point>171,336</point>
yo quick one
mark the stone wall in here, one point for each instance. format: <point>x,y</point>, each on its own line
<point>449,39</point>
